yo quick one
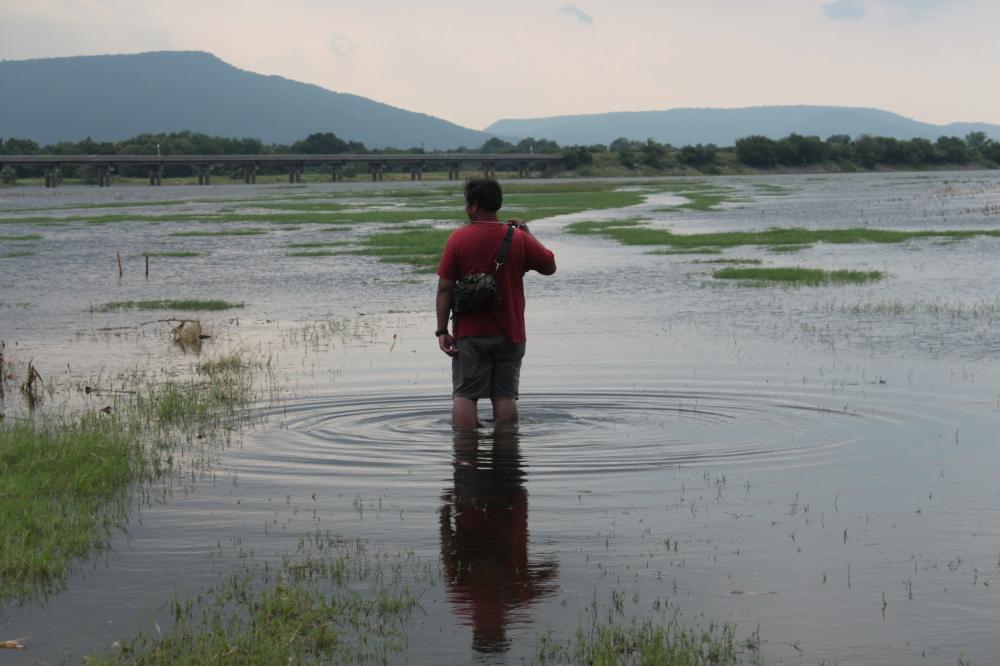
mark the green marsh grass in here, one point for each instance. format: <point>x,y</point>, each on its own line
<point>728,261</point>
<point>770,189</point>
<point>220,232</point>
<point>172,253</point>
<point>62,491</point>
<point>315,244</point>
<point>68,483</point>
<point>314,253</point>
<point>418,246</point>
<point>331,601</point>
<point>688,250</point>
<point>188,304</point>
<point>797,276</point>
<point>637,232</point>
<point>20,237</point>
<point>787,249</point>
<point>649,643</point>
<point>13,254</point>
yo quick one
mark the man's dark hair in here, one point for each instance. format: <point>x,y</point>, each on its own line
<point>485,192</point>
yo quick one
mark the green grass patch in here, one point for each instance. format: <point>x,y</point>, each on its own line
<point>189,304</point>
<point>21,237</point>
<point>13,254</point>
<point>220,232</point>
<point>296,206</point>
<point>37,221</point>
<point>728,261</point>
<point>172,253</point>
<point>531,206</point>
<point>331,601</point>
<point>787,249</point>
<point>62,490</point>
<point>797,276</point>
<point>689,250</point>
<point>649,643</point>
<point>636,232</point>
<point>418,246</point>
<point>315,244</point>
<point>700,196</point>
<point>315,253</point>
<point>770,189</point>
<point>67,484</point>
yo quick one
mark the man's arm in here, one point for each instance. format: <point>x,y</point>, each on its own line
<point>545,265</point>
<point>443,302</point>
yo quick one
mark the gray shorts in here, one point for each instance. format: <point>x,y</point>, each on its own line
<point>486,367</point>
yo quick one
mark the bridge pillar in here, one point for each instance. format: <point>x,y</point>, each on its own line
<point>489,170</point>
<point>203,174</point>
<point>52,176</point>
<point>336,173</point>
<point>250,174</point>
<point>156,175</point>
<point>453,169</point>
<point>417,172</point>
<point>378,171</point>
<point>104,176</point>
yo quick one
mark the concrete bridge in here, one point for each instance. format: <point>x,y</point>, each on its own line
<point>106,165</point>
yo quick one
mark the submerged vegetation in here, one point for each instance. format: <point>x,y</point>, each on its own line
<point>330,601</point>
<point>637,232</point>
<point>188,304</point>
<point>69,482</point>
<point>797,276</point>
<point>180,254</point>
<point>649,643</point>
<point>63,488</point>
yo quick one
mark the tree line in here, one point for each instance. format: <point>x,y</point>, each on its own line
<point>792,152</point>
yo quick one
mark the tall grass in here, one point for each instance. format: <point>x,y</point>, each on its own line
<point>67,482</point>
<point>330,602</point>
<point>167,304</point>
<point>62,491</point>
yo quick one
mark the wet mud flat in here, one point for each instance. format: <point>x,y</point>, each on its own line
<point>813,462</point>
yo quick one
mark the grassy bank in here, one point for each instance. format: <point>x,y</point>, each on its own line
<point>63,490</point>
<point>68,482</point>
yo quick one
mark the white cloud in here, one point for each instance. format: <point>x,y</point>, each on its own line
<point>578,14</point>
<point>844,9</point>
<point>343,46</point>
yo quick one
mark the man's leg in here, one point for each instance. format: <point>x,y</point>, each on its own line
<point>505,412</point>
<point>504,382</point>
<point>463,414</point>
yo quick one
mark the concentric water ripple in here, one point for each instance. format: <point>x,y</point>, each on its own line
<point>561,433</point>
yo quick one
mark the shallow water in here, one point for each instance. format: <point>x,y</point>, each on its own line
<point>817,462</point>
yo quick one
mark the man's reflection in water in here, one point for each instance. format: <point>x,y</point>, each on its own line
<point>484,538</point>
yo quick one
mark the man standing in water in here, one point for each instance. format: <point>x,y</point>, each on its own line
<point>486,346</point>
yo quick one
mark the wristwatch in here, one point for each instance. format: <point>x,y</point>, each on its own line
<point>441,331</point>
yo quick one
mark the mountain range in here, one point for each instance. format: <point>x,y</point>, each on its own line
<point>722,127</point>
<point>114,97</point>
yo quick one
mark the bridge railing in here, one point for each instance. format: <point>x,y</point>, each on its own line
<point>106,165</point>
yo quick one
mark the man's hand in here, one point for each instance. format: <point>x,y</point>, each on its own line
<point>520,224</point>
<point>447,344</point>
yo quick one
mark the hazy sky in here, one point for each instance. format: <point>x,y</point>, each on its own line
<point>473,62</point>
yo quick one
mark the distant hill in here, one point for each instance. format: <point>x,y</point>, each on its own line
<point>722,127</point>
<point>115,97</point>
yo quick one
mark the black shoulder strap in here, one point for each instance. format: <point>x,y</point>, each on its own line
<point>504,246</point>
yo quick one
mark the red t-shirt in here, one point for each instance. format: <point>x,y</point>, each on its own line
<point>473,249</point>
